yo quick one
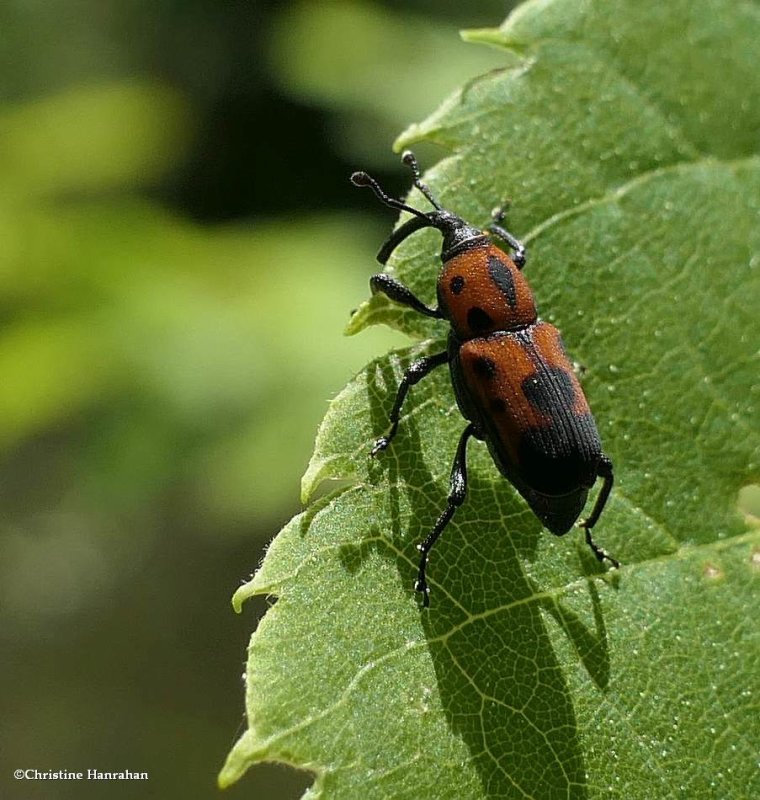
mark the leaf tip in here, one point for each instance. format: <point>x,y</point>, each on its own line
<point>359,320</point>
<point>248,589</point>
<point>245,752</point>
<point>493,36</point>
<point>414,133</point>
<point>311,478</point>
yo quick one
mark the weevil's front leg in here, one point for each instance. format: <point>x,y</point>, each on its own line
<point>401,294</point>
<point>416,372</point>
<point>457,494</point>
<point>604,471</point>
<point>520,256</point>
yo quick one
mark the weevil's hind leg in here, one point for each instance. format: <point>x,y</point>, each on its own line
<point>604,471</point>
<point>399,293</point>
<point>457,494</point>
<point>520,255</point>
<point>416,372</point>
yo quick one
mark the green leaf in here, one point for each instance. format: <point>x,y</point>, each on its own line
<point>627,140</point>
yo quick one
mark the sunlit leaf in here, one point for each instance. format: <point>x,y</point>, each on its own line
<point>627,141</point>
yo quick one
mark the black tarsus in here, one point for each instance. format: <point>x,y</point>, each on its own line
<point>457,494</point>
<point>416,372</point>
<point>604,471</point>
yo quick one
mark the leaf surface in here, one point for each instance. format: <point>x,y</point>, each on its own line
<point>626,138</point>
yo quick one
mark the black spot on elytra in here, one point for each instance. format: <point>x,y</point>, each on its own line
<point>457,284</point>
<point>484,367</point>
<point>479,320</point>
<point>502,277</point>
<point>548,388</point>
<point>498,406</point>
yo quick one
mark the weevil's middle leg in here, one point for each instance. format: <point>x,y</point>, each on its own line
<point>457,494</point>
<point>416,372</point>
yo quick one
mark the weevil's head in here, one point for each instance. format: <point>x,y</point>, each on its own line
<point>458,235</point>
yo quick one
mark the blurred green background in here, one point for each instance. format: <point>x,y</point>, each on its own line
<point>179,252</point>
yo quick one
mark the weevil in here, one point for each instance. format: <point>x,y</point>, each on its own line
<point>512,379</point>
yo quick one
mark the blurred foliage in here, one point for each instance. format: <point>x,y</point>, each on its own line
<point>316,49</point>
<point>163,376</point>
<point>206,331</point>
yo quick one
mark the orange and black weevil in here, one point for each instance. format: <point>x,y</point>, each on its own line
<point>511,376</point>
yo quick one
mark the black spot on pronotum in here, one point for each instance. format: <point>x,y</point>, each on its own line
<point>479,320</point>
<point>484,367</point>
<point>502,277</point>
<point>457,284</point>
<point>548,388</point>
<point>498,406</point>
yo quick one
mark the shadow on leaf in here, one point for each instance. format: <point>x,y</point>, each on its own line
<point>500,682</point>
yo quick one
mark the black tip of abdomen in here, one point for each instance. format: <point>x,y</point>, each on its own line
<point>558,513</point>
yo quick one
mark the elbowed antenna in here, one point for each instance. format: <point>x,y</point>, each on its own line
<point>408,157</point>
<point>410,160</point>
<point>362,179</point>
